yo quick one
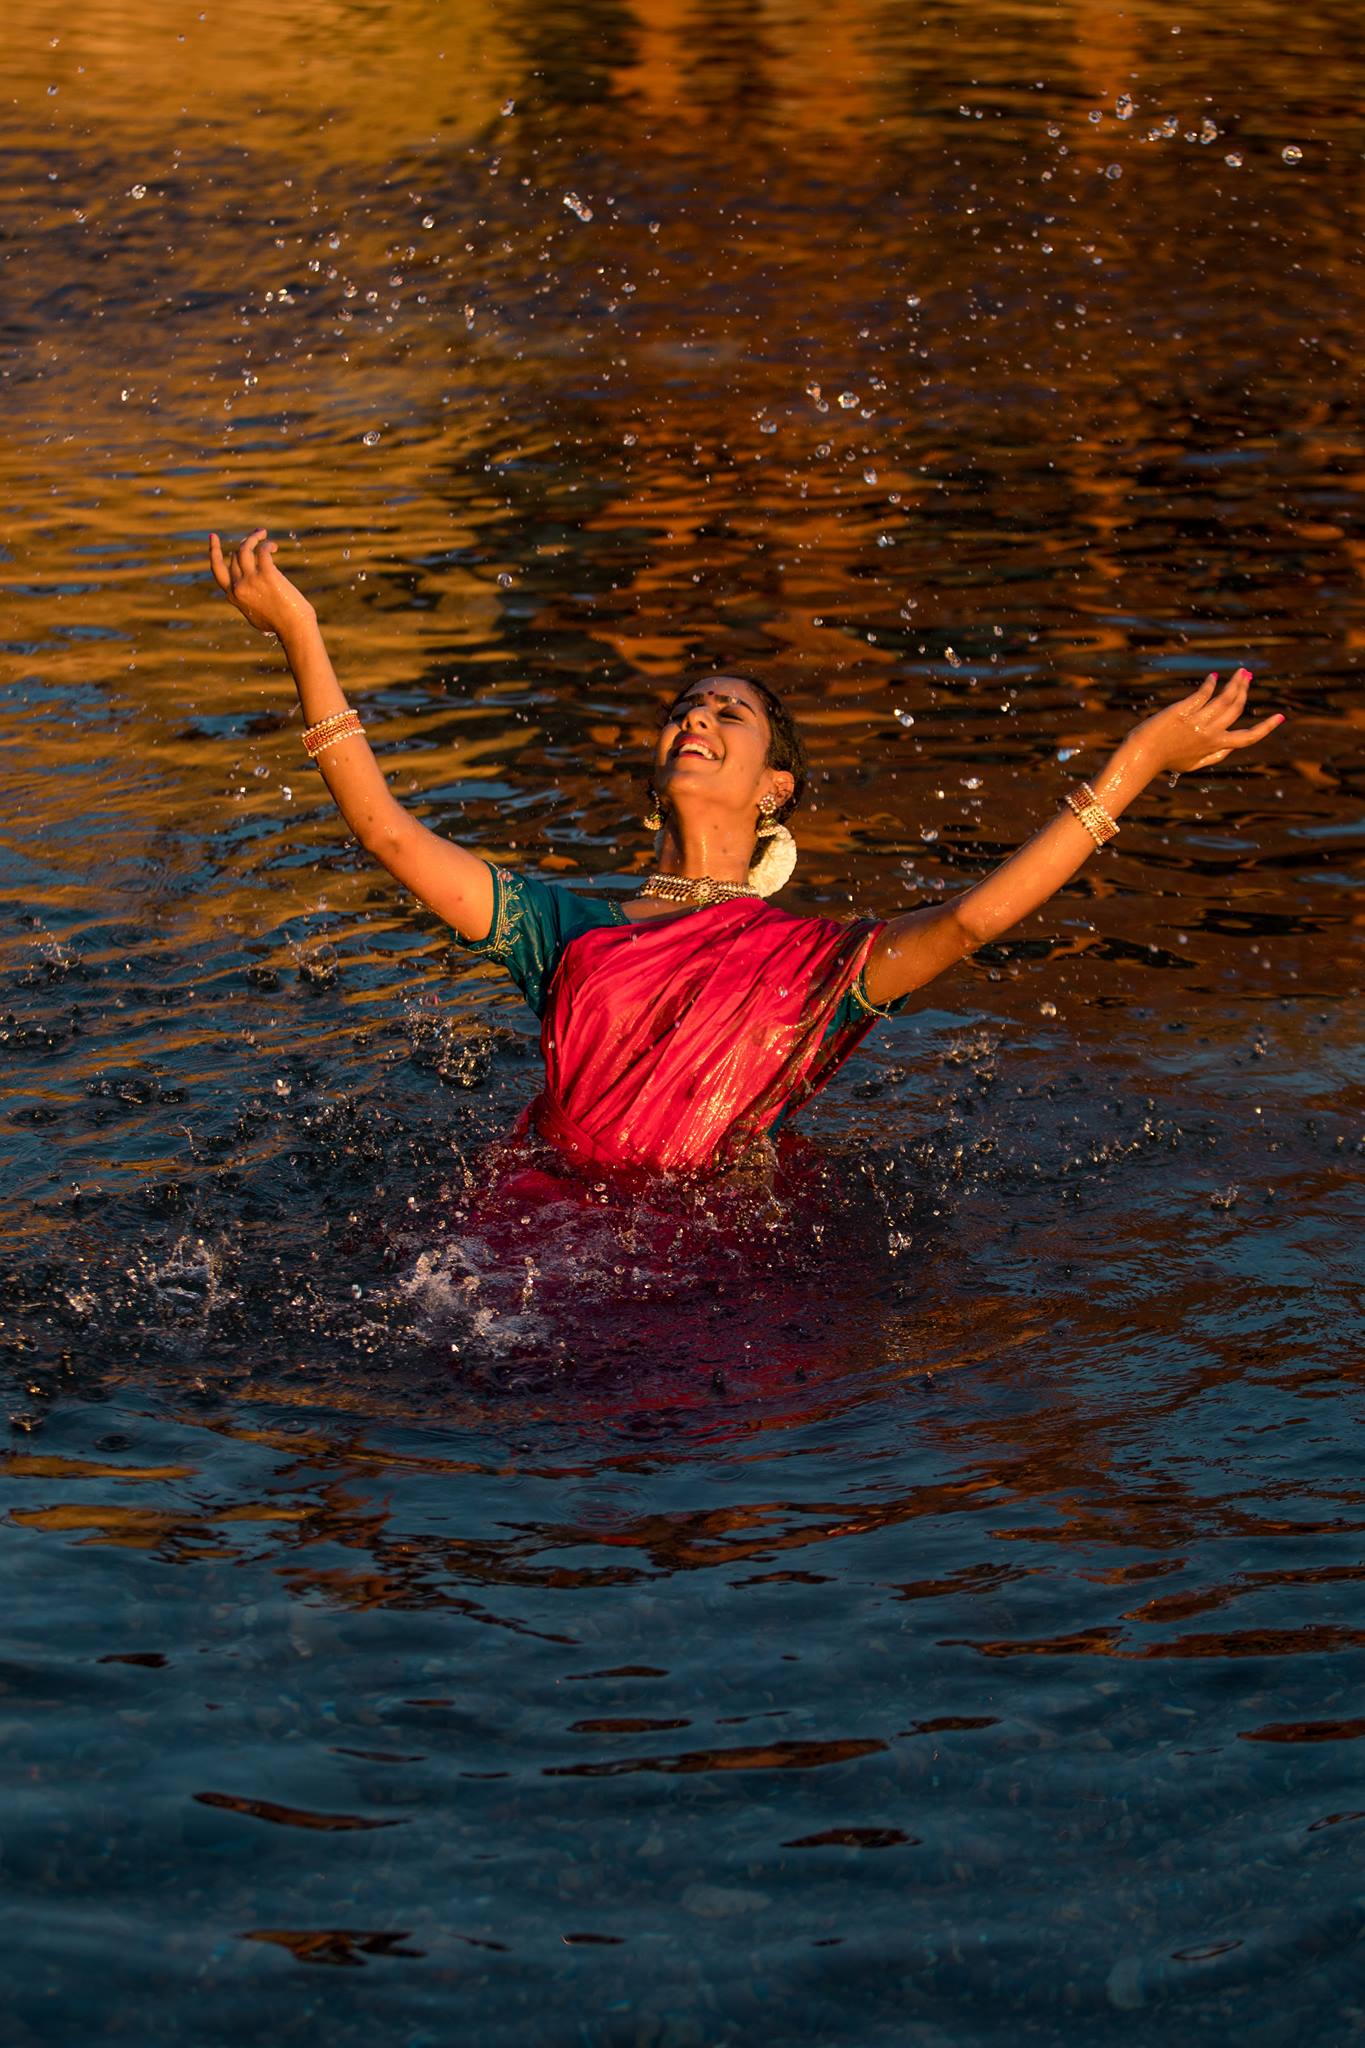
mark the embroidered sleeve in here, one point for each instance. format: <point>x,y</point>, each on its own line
<point>533,921</point>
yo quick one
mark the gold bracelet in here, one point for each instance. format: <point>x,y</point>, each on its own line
<point>326,725</point>
<point>1087,807</point>
<point>342,725</point>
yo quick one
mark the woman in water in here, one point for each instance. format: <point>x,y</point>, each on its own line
<point>681,1026</point>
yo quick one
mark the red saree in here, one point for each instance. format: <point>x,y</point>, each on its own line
<point>676,1042</point>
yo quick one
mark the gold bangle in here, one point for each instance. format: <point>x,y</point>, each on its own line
<point>328,724</point>
<point>1086,806</point>
<point>342,725</point>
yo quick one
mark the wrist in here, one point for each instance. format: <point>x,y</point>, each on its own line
<point>299,633</point>
<point>1127,773</point>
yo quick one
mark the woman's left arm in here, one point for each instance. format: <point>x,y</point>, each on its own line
<point>1195,733</point>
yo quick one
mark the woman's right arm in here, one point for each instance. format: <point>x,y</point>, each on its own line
<point>454,883</point>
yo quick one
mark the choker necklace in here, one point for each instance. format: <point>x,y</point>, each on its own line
<point>699,890</point>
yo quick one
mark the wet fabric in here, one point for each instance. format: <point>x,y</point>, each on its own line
<point>679,1042</point>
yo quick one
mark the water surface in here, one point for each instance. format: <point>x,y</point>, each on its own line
<point>919,1607</point>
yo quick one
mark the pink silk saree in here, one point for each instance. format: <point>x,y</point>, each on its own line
<point>675,1043</point>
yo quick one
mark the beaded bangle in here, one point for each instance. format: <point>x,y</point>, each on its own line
<point>1092,814</point>
<point>342,725</point>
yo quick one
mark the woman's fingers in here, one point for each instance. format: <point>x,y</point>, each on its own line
<point>1255,732</point>
<point>246,553</point>
<point>219,566</point>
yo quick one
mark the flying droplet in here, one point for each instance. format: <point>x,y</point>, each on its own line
<point>509,107</point>
<point>912,299</point>
<point>1208,130</point>
<point>504,580</point>
<point>928,833</point>
<point>137,191</point>
<point>952,657</point>
<point>428,220</point>
<point>869,476</point>
<point>848,400</point>
<point>1233,160</point>
<point>576,205</point>
<point>1047,1009</point>
<point>1113,171</point>
<point>1096,116</point>
<point>1124,107</point>
<point>905,718</point>
<point>371,439</point>
<point>1291,153</point>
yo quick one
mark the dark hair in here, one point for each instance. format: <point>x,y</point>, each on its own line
<point>786,748</point>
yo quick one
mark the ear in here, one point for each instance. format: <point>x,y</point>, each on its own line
<point>778,783</point>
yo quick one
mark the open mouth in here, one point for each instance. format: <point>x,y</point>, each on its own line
<point>694,746</point>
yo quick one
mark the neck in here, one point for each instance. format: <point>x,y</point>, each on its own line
<point>719,848</point>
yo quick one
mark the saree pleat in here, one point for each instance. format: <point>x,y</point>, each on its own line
<point>676,1042</point>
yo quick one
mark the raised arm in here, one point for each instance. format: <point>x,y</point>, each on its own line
<point>451,881</point>
<point>1195,733</point>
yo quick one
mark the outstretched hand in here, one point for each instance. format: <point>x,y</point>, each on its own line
<point>1198,731</point>
<point>262,593</point>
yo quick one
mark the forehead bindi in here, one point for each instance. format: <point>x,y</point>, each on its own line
<point>717,691</point>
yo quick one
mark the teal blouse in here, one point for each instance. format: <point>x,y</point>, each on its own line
<point>533,921</point>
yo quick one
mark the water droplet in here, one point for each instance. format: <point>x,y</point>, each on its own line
<point>1208,130</point>
<point>905,718</point>
<point>886,540</point>
<point>428,220</point>
<point>848,399</point>
<point>1047,1009</point>
<point>952,657</point>
<point>1124,107</point>
<point>504,580</point>
<point>334,241</point>
<point>1170,126</point>
<point>1291,153</point>
<point>767,426</point>
<point>869,476</point>
<point>629,440</point>
<point>1233,160</point>
<point>509,107</point>
<point>371,439</point>
<point>125,394</point>
<point>52,92</point>
<point>576,205</point>
<point>1113,170</point>
<point>823,449</point>
<point>971,782</point>
<point>137,191</point>
<point>1096,116</point>
<point>654,226</point>
<point>928,833</point>
<point>1053,130</point>
<point>1066,753</point>
<point>912,298</point>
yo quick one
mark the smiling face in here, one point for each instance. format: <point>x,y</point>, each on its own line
<point>713,750</point>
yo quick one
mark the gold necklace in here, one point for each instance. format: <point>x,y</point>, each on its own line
<point>699,890</point>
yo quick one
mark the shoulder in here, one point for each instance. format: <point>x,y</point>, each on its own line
<point>529,910</point>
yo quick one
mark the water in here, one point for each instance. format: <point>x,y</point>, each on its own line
<point>917,1604</point>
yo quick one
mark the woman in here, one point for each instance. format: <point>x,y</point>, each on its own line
<point>682,1026</point>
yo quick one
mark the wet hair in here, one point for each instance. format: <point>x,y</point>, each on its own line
<point>786,748</point>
